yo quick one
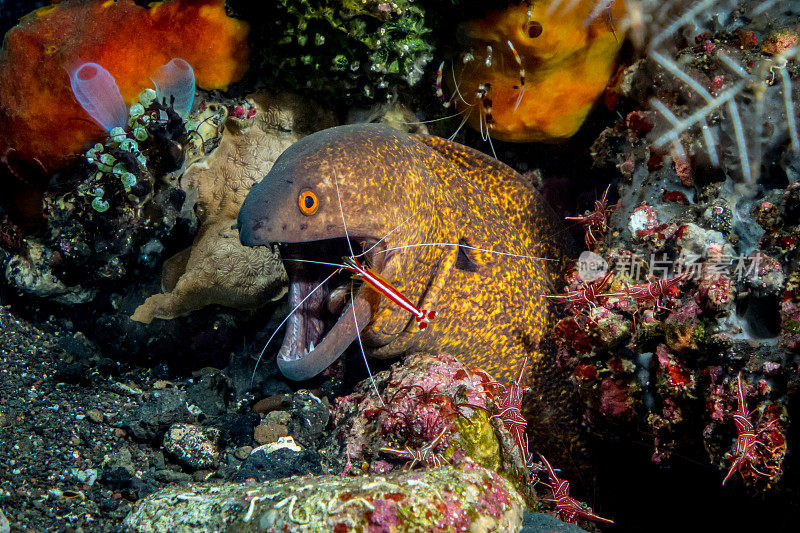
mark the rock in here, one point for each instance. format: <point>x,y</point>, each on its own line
<point>33,274</point>
<point>310,416</point>
<point>278,417</point>
<point>166,475</point>
<point>545,523</point>
<point>236,429</point>
<point>425,395</point>
<point>5,527</point>
<point>211,393</point>
<point>164,408</point>
<point>263,464</point>
<point>157,460</point>
<point>267,433</point>
<point>695,241</point>
<point>85,477</point>
<point>194,446</point>
<point>119,471</point>
<point>95,415</point>
<point>448,498</point>
<point>272,403</point>
<point>242,452</point>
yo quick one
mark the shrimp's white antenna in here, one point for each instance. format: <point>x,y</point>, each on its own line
<point>352,305</point>
<point>296,307</point>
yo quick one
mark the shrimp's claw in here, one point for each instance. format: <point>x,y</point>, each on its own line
<point>424,318</point>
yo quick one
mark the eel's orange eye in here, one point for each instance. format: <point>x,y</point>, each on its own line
<point>533,29</point>
<point>308,202</point>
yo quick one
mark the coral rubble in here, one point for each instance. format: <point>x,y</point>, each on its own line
<point>445,498</point>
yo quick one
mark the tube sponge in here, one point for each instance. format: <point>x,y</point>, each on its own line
<point>97,92</point>
<point>176,80</point>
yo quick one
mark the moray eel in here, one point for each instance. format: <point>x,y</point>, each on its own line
<point>386,189</point>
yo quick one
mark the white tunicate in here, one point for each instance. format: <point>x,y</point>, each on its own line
<point>97,92</point>
<point>175,85</point>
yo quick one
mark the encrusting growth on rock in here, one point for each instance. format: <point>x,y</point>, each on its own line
<point>217,269</point>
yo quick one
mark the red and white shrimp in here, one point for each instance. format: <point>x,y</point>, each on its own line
<point>382,285</point>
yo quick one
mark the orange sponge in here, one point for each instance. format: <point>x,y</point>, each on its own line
<point>564,52</point>
<point>41,122</point>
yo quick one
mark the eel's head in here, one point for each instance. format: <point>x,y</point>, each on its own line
<point>337,189</point>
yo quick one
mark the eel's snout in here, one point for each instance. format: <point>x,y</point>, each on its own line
<point>254,223</point>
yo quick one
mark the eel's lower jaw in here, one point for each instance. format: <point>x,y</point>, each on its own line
<point>309,346</point>
<point>302,366</point>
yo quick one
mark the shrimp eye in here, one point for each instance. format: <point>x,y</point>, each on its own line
<point>308,202</point>
<point>533,28</point>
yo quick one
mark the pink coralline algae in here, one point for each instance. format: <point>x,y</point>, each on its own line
<point>790,324</point>
<point>681,327</point>
<point>384,517</point>
<point>673,373</point>
<point>716,290</point>
<point>615,399</point>
<point>431,405</point>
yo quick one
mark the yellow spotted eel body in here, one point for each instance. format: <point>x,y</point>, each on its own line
<point>415,190</point>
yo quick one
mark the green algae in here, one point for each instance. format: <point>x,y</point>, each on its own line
<point>477,439</point>
<point>353,50</point>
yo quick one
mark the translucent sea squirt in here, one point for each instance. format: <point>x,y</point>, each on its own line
<point>175,83</point>
<point>97,92</point>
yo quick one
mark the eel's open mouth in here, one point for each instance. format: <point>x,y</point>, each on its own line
<point>328,319</point>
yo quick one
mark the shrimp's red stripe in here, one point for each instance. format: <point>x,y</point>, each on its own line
<point>380,284</point>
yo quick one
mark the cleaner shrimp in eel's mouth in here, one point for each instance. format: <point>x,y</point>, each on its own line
<point>329,307</point>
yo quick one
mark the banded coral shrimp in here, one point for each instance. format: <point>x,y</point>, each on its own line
<point>533,71</point>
